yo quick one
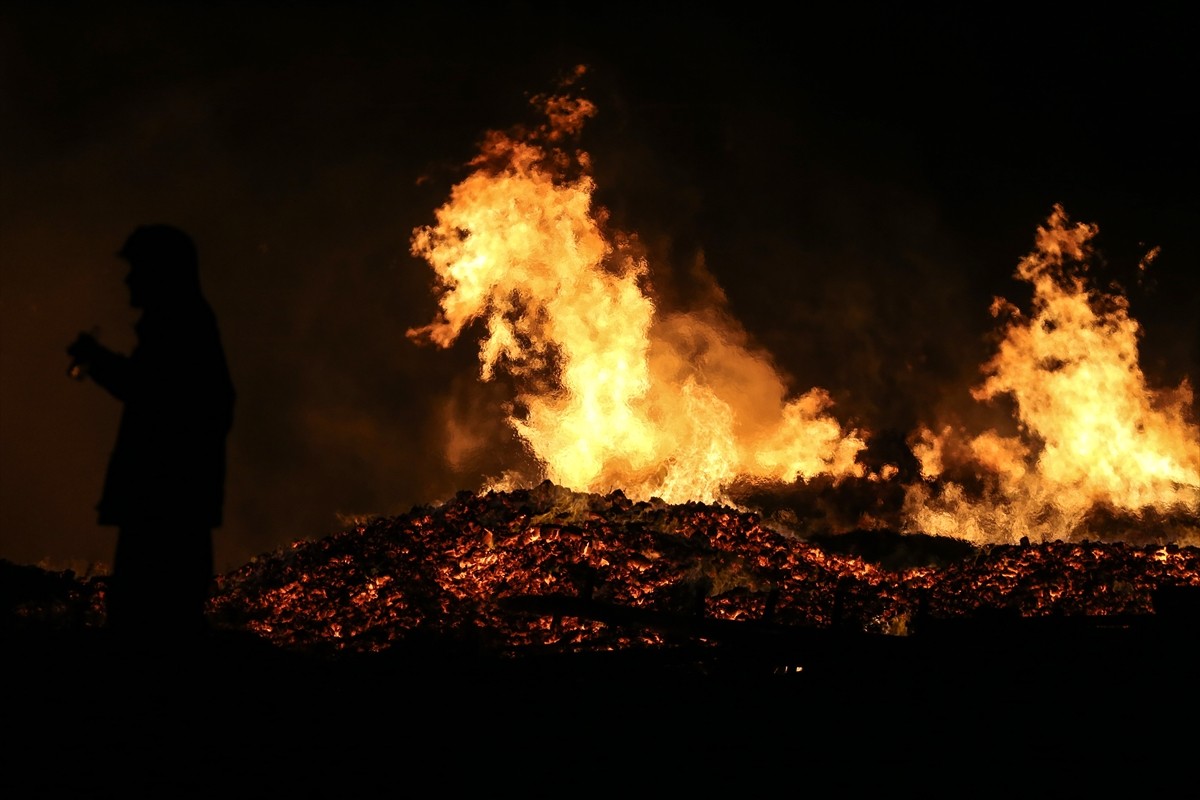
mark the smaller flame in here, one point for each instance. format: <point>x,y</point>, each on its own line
<point>1093,433</point>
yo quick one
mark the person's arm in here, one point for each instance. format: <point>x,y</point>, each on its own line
<point>110,370</point>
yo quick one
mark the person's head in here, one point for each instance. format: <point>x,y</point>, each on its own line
<point>163,265</point>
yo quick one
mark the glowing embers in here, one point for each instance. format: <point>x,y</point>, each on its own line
<point>606,573</point>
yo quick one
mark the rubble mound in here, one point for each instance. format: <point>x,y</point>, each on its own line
<point>552,568</point>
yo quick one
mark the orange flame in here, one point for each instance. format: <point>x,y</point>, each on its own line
<point>612,393</point>
<point>1093,435</point>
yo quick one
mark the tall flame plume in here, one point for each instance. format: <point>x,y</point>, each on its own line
<point>613,392</point>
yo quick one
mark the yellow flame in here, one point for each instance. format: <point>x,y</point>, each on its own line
<point>1094,433</point>
<point>612,393</point>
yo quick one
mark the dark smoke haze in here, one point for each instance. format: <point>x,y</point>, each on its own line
<point>858,186</point>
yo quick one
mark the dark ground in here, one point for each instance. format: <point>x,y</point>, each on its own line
<point>965,707</point>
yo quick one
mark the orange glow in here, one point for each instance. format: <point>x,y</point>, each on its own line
<point>613,393</point>
<point>1093,434</point>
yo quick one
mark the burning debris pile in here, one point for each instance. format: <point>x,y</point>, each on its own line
<point>550,568</point>
<point>623,524</point>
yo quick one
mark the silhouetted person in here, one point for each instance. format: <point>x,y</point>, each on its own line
<point>164,487</point>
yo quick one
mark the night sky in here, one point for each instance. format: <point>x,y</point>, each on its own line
<point>859,183</point>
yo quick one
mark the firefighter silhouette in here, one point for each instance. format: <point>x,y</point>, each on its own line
<point>165,481</point>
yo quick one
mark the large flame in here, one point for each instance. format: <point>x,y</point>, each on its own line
<point>613,393</point>
<point>1093,435</point>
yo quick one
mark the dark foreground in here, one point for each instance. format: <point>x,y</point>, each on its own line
<point>962,709</point>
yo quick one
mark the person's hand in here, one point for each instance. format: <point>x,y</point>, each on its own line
<point>83,352</point>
